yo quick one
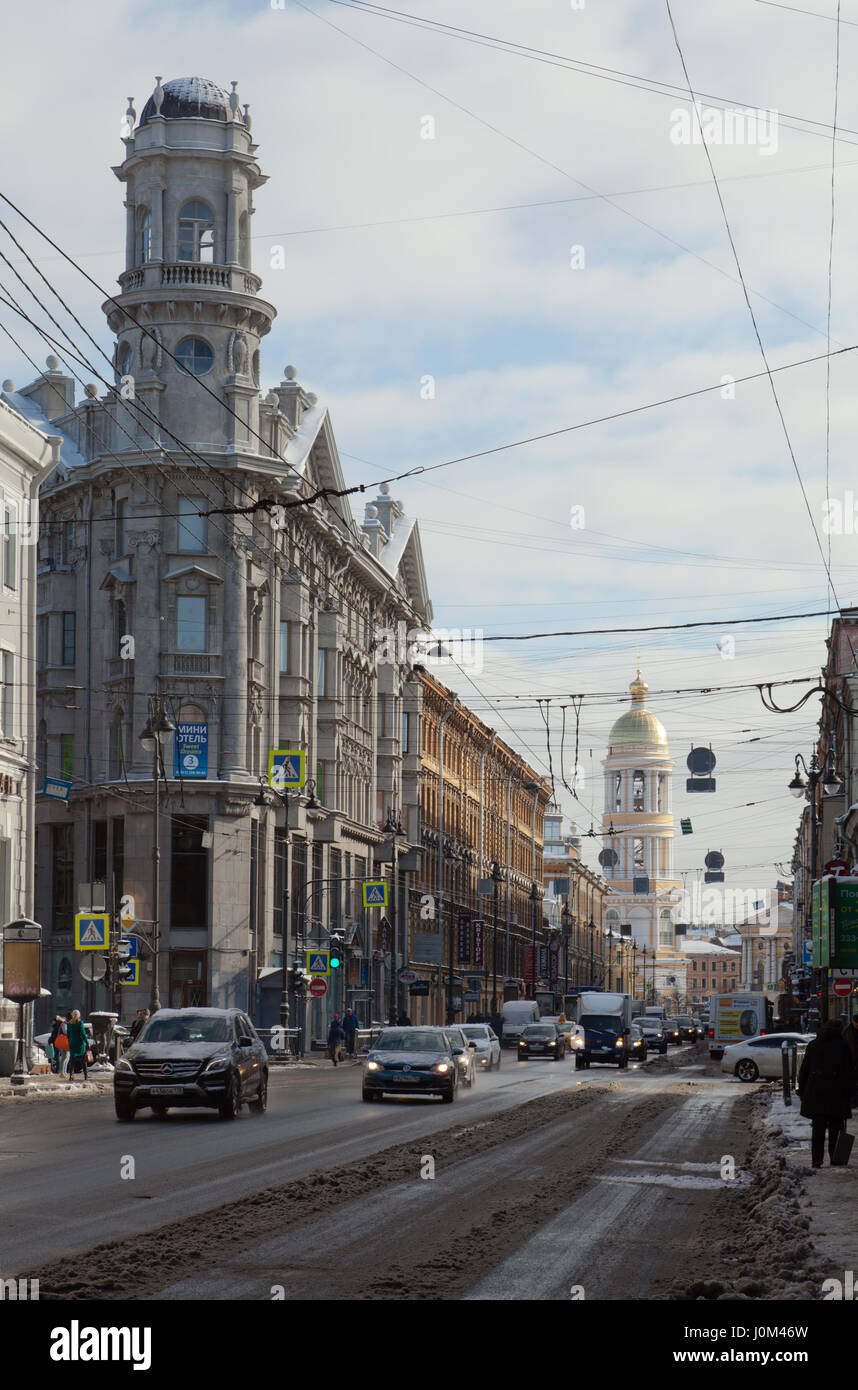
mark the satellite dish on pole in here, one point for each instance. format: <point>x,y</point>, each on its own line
<point>93,967</point>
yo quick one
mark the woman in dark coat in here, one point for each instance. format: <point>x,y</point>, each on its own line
<point>825,1084</point>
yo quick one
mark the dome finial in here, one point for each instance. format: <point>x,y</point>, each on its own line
<point>233,100</point>
<point>158,96</point>
<point>638,689</point>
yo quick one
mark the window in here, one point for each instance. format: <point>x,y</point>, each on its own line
<point>665,929</point>
<point>618,792</point>
<point>189,876</point>
<point>144,238</point>
<point>662,793</point>
<point>196,233</point>
<point>638,785</point>
<point>191,526</point>
<point>67,539</point>
<point>320,782</point>
<point>124,359</point>
<point>7,694</point>
<point>638,854</point>
<point>405,731</point>
<point>10,546</point>
<point>62,878</point>
<point>42,641</point>
<point>284,646</point>
<point>195,356</point>
<point>66,756</point>
<point>69,656</point>
<point>321,664</point>
<point>190,623</point>
<point>121,521</point>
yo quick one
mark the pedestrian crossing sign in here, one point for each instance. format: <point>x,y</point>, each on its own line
<point>134,977</point>
<point>375,892</point>
<point>318,962</point>
<point>286,767</point>
<point>92,931</point>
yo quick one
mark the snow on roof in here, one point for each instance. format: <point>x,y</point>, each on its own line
<point>298,449</point>
<point>706,948</point>
<point>392,551</point>
<point>27,407</point>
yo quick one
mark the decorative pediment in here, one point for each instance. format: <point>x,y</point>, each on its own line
<point>187,570</point>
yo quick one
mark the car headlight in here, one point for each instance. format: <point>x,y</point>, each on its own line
<point>522,1043</point>
<point>122,1065</point>
<point>219,1063</point>
<point>484,1060</point>
<point>372,1066</point>
<point>618,1043</point>
<point>442,1066</point>
<point>577,1042</point>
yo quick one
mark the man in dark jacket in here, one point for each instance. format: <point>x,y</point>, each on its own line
<point>350,1027</point>
<point>336,1038</point>
<point>825,1084</point>
<point>850,1037</point>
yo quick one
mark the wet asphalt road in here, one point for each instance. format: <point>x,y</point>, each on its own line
<point>62,1189</point>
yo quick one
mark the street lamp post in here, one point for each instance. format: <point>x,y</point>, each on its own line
<point>393,828</point>
<point>496,880</point>
<point>831,786</point>
<point>152,738</point>
<point>591,927</point>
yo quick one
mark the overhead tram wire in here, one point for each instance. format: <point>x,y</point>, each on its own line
<point>830,269</point>
<point>617,76</point>
<point>750,307</point>
<point>534,154</point>
<point>420,470</point>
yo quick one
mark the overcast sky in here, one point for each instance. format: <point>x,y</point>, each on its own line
<point>452,258</point>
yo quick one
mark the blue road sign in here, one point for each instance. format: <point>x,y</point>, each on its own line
<point>129,947</point>
<point>375,892</point>
<point>91,931</point>
<point>318,962</point>
<point>133,976</point>
<point>286,767</point>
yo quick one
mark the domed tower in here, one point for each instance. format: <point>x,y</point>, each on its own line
<point>188,290</point>
<point>637,858</point>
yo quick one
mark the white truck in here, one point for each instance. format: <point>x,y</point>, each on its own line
<point>605,1020</point>
<point>735,1017</point>
<point>516,1014</point>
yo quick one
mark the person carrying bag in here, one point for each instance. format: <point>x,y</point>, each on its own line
<point>825,1084</point>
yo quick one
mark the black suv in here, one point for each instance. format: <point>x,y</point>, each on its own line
<point>193,1057</point>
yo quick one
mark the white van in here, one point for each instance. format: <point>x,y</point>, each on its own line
<point>735,1017</point>
<point>516,1014</point>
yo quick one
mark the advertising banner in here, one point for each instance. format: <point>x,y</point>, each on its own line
<point>191,751</point>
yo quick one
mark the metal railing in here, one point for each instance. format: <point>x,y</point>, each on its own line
<point>282,1042</point>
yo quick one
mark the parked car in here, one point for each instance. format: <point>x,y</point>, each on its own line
<point>760,1057</point>
<point>193,1057</point>
<point>466,1060</point>
<point>638,1043</point>
<point>687,1027</point>
<point>412,1061</point>
<point>485,1043</point>
<point>673,1030</point>
<point>541,1040</point>
<point>655,1033</point>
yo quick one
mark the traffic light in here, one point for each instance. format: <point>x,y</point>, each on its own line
<point>338,944</point>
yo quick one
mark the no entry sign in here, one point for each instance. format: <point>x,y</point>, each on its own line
<point>318,988</point>
<point>842,988</point>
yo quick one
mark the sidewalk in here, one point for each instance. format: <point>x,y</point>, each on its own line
<point>42,1087</point>
<point>831,1193</point>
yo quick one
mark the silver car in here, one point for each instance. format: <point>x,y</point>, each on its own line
<point>484,1043</point>
<point>760,1057</point>
<point>465,1059</point>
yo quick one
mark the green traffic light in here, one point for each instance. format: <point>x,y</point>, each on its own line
<point>335,962</point>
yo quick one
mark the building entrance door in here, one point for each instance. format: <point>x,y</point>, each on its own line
<point>188,979</point>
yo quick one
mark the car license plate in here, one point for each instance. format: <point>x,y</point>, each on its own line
<point>407,1078</point>
<point>537,1047</point>
<point>165,1090</point>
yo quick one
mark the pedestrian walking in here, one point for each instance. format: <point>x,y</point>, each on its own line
<point>350,1027</point>
<point>850,1037</point>
<point>336,1038</point>
<point>78,1044</point>
<point>59,1044</point>
<point>139,1024</point>
<point>404,1020</point>
<point>825,1084</point>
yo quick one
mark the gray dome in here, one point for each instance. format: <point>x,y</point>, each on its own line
<point>191,96</point>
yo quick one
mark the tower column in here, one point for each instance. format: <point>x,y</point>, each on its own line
<point>130,235</point>
<point>157,247</point>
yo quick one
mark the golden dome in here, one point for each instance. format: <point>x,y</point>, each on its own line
<point>638,724</point>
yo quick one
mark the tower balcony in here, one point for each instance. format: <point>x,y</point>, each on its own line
<point>190,275</point>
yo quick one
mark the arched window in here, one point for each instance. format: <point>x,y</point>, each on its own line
<point>638,785</point>
<point>124,359</point>
<point>196,233</point>
<point>195,356</point>
<point>665,928</point>
<point>144,237</point>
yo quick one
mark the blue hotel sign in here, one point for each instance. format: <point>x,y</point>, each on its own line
<point>191,755</point>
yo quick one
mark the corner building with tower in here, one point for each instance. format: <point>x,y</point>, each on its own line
<point>158,600</point>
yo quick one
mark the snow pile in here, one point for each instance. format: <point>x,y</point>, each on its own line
<point>759,1246</point>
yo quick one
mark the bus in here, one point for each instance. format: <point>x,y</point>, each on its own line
<point>733,1017</point>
